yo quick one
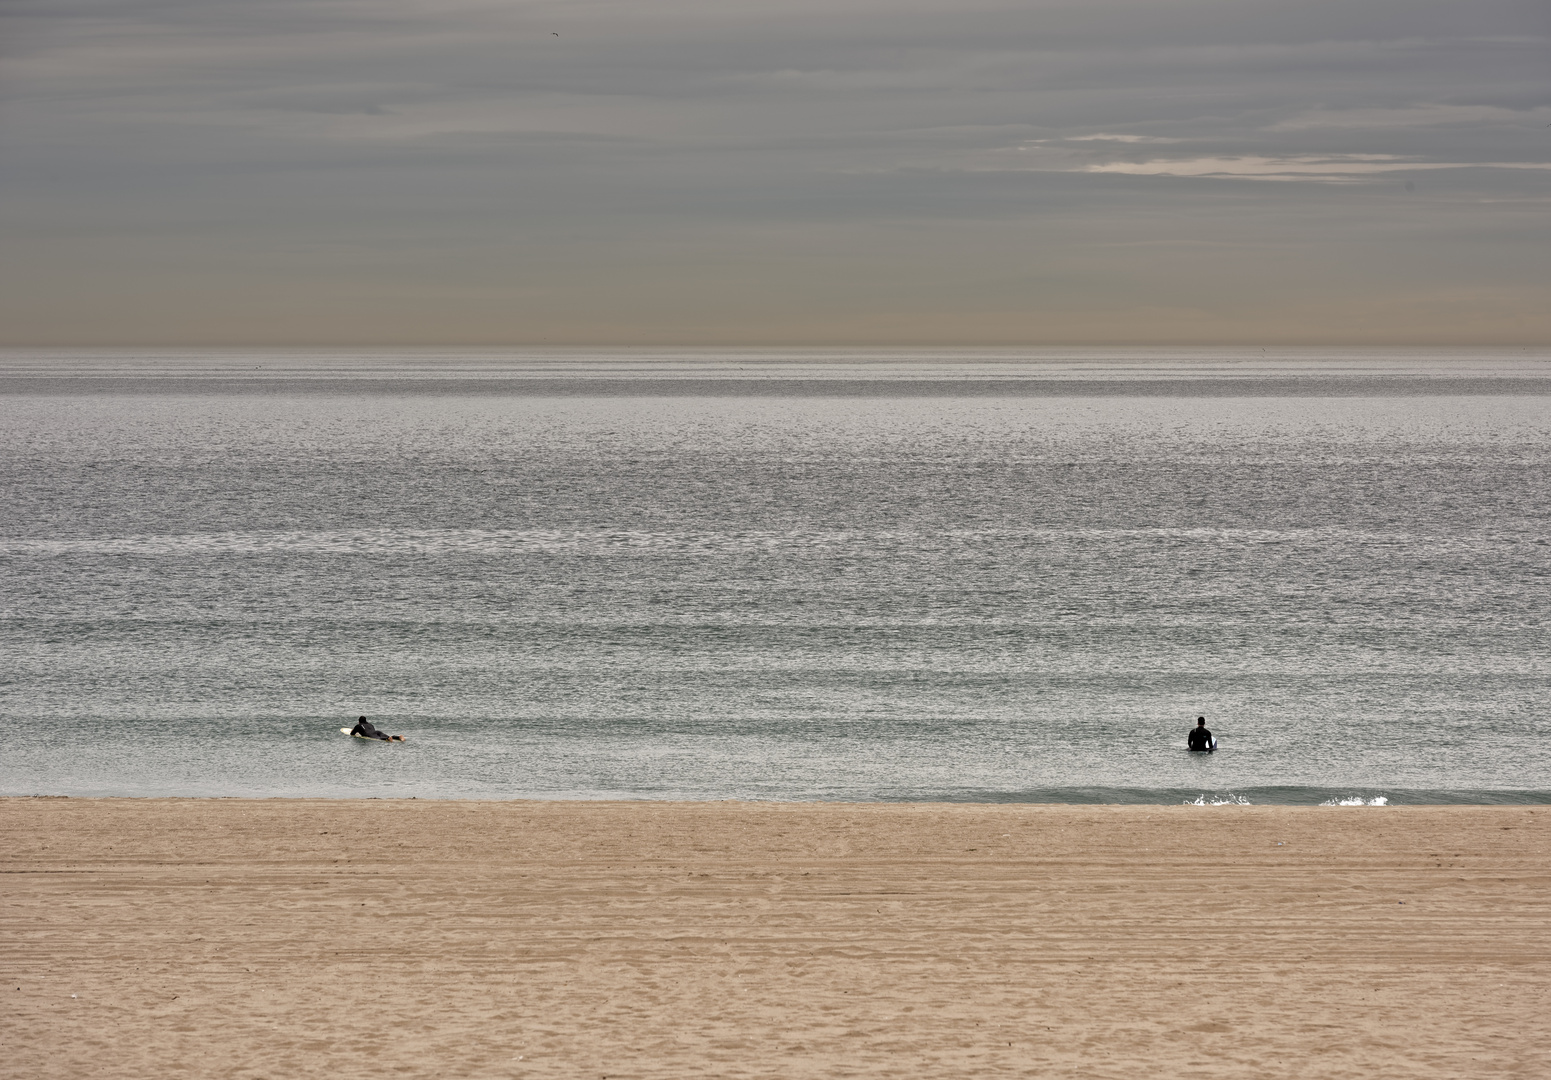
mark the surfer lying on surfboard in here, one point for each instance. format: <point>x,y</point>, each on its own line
<point>363,727</point>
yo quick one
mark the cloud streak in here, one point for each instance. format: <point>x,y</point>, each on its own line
<point>1302,167</point>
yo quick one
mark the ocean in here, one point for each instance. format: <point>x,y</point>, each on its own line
<point>994,575</point>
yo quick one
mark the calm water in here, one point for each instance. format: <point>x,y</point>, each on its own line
<point>788,576</point>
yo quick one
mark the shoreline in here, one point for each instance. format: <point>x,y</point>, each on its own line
<point>1391,798</point>
<point>420,937</point>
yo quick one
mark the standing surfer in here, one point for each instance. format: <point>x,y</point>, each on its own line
<point>1200,738</point>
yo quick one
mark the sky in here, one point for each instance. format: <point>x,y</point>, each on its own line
<point>755,172</point>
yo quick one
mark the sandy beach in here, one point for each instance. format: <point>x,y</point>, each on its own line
<point>166,938</point>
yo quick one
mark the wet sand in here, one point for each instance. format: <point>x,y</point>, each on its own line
<point>172,938</point>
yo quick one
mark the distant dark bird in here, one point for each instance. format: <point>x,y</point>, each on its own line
<point>552,32</point>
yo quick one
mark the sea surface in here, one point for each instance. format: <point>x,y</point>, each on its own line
<point>885,575</point>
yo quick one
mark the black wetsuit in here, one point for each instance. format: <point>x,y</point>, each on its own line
<point>364,727</point>
<point>1199,739</point>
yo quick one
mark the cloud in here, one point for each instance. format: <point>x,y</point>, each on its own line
<point>1105,137</point>
<point>1303,167</point>
<point>678,169</point>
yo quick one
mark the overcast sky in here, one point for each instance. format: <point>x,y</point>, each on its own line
<point>774,171</point>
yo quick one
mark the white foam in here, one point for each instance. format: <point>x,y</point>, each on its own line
<point>1357,800</point>
<point>1218,800</point>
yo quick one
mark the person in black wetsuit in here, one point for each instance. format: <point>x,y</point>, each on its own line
<point>1199,738</point>
<point>364,727</point>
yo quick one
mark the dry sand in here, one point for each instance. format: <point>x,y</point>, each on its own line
<point>167,938</point>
